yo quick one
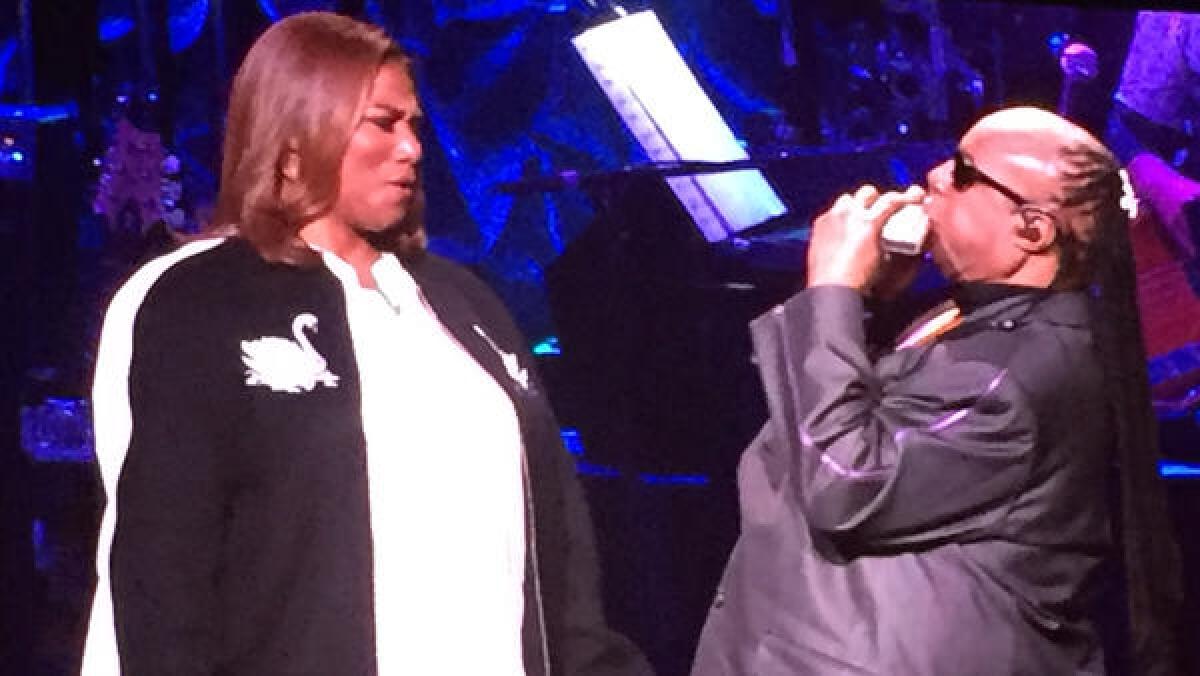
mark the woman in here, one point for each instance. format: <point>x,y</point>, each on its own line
<point>333,457</point>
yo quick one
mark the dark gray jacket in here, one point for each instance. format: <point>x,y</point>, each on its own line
<point>938,511</point>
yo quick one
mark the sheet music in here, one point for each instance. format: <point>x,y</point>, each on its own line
<point>662,104</point>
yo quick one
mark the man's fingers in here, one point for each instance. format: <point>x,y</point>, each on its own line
<point>866,195</point>
<point>885,206</point>
<point>889,203</point>
<point>870,208</point>
<point>843,203</point>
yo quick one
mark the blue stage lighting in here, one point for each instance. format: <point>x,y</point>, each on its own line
<point>1178,470</point>
<point>674,479</point>
<point>111,28</point>
<point>186,21</point>
<point>58,430</point>
<point>8,48</point>
<point>901,174</point>
<point>584,468</point>
<point>1057,41</point>
<point>277,9</point>
<point>571,440</point>
<point>548,346</point>
<point>43,554</point>
<point>38,113</point>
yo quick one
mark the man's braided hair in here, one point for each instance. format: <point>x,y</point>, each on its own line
<point>1096,254</point>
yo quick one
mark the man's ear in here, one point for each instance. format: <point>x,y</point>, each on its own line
<point>1037,229</point>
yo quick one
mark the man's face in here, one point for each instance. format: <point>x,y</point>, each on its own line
<point>1006,162</point>
<point>379,169</point>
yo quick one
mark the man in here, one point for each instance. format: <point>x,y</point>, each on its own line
<point>943,510</point>
<point>1152,129</point>
<point>1153,120</point>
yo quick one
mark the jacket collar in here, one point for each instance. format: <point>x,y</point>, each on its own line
<point>505,362</point>
<point>1007,306</point>
<point>427,279</point>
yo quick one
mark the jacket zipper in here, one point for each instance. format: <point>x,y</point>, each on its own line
<point>511,365</point>
<point>533,553</point>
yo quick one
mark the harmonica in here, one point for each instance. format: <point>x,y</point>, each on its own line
<point>905,232</point>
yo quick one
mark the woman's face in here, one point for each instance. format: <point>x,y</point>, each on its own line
<point>379,169</point>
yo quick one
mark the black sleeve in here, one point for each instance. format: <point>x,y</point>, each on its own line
<point>170,498</point>
<point>1130,134</point>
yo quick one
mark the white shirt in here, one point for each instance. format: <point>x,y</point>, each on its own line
<point>444,458</point>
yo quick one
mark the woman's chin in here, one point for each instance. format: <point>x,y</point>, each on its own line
<point>381,226</point>
<point>384,235</point>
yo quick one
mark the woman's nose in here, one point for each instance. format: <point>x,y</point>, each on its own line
<point>408,148</point>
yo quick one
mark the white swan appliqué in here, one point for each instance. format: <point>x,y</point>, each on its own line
<point>285,365</point>
<point>512,364</point>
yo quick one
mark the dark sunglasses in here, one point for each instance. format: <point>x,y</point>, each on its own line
<point>966,174</point>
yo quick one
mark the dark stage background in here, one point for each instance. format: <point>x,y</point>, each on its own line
<point>639,323</point>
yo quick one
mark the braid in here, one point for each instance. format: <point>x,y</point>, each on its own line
<point>1092,198</point>
<point>1098,255</point>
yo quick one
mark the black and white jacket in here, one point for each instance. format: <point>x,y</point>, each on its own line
<point>239,527</point>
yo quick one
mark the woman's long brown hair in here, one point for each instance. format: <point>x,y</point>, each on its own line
<point>295,102</point>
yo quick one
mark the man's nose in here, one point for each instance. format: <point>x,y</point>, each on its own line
<point>938,178</point>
